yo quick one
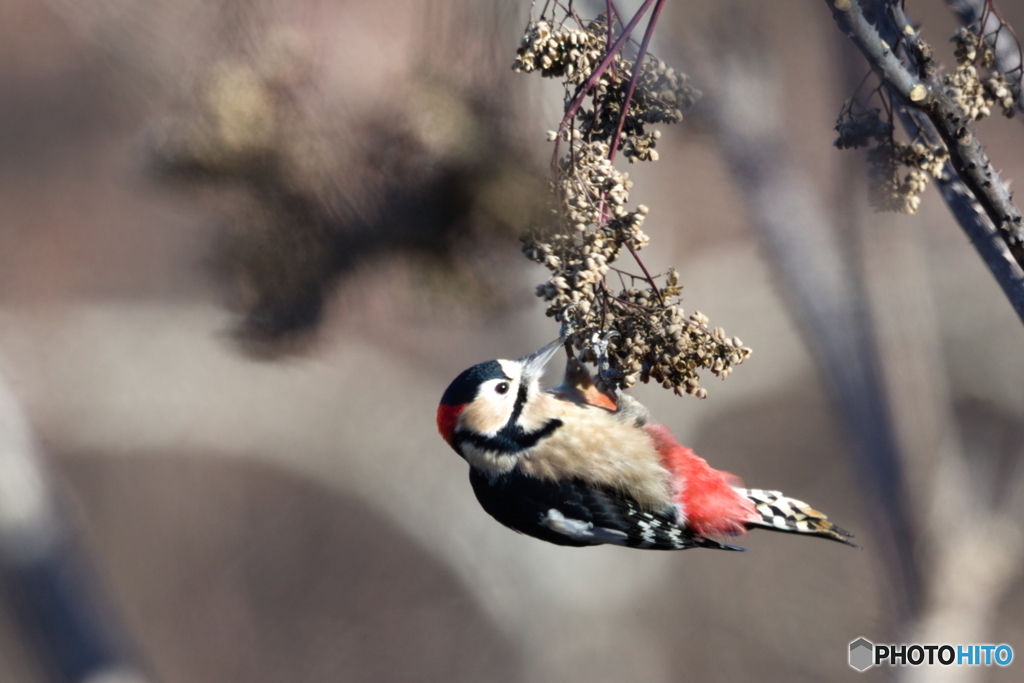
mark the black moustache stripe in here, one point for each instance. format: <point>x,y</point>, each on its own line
<point>511,439</point>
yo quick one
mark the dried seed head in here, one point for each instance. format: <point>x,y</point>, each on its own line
<point>652,337</point>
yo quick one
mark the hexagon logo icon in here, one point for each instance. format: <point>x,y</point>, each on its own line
<point>862,653</point>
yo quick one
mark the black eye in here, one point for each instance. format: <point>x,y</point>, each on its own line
<point>502,388</point>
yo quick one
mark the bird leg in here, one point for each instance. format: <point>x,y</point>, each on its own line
<point>629,410</point>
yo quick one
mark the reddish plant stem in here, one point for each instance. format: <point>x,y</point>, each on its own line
<point>990,8</point>
<point>611,23</point>
<point>637,69</point>
<point>615,10</point>
<point>581,93</point>
<point>650,279</point>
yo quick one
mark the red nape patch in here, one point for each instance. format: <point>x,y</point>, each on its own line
<point>447,416</point>
<point>711,505</point>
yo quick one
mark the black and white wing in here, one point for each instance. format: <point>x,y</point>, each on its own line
<point>571,513</point>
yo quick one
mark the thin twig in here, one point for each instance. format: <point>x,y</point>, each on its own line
<point>611,23</point>
<point>638,67</point>
<point>975,223</point>
<point>582,91</point>
<point>650,280</point>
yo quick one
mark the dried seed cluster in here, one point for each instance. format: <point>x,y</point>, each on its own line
<point>648,336</point>
<point>659,342</point>
<point>891,188</point>
<point>861,129</point>
<point>661,96</point>
<point>899,172</point>
<point>568,53</point>
<point>974,96</point>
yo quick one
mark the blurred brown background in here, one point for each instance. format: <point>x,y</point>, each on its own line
<point>263,494</point>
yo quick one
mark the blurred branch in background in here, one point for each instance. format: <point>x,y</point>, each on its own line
<point>822,286</point>
<point>971,524</point>
<point>953,546</point>
<point>968,540</point>
<point>45,578</point>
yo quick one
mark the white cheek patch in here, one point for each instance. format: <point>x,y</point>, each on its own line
<point>490,411</point>
<point>493,464</point>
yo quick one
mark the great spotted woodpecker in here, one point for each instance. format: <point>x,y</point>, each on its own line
<point>575,466</point>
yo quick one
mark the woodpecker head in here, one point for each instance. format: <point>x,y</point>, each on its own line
<point>489,397</point>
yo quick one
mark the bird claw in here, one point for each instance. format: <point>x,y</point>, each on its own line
<point>630,410</point>
<point>568,324</point>
<point>600,345</point>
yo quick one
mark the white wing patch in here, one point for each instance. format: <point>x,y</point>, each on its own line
<point>648,534</point>
<point>579,530</point>
<point>653,532</point>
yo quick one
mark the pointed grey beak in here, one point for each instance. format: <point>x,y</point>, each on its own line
<point>533,365</point>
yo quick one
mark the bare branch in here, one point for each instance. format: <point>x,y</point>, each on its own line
<point>975,223</point>
<point>824,295</point>
<point>586,87</point>
<point>924,92</point>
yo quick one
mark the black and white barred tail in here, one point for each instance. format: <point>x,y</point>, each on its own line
<point>789,515</point>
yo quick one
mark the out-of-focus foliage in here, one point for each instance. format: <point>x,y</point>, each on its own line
<point>434,178</point>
